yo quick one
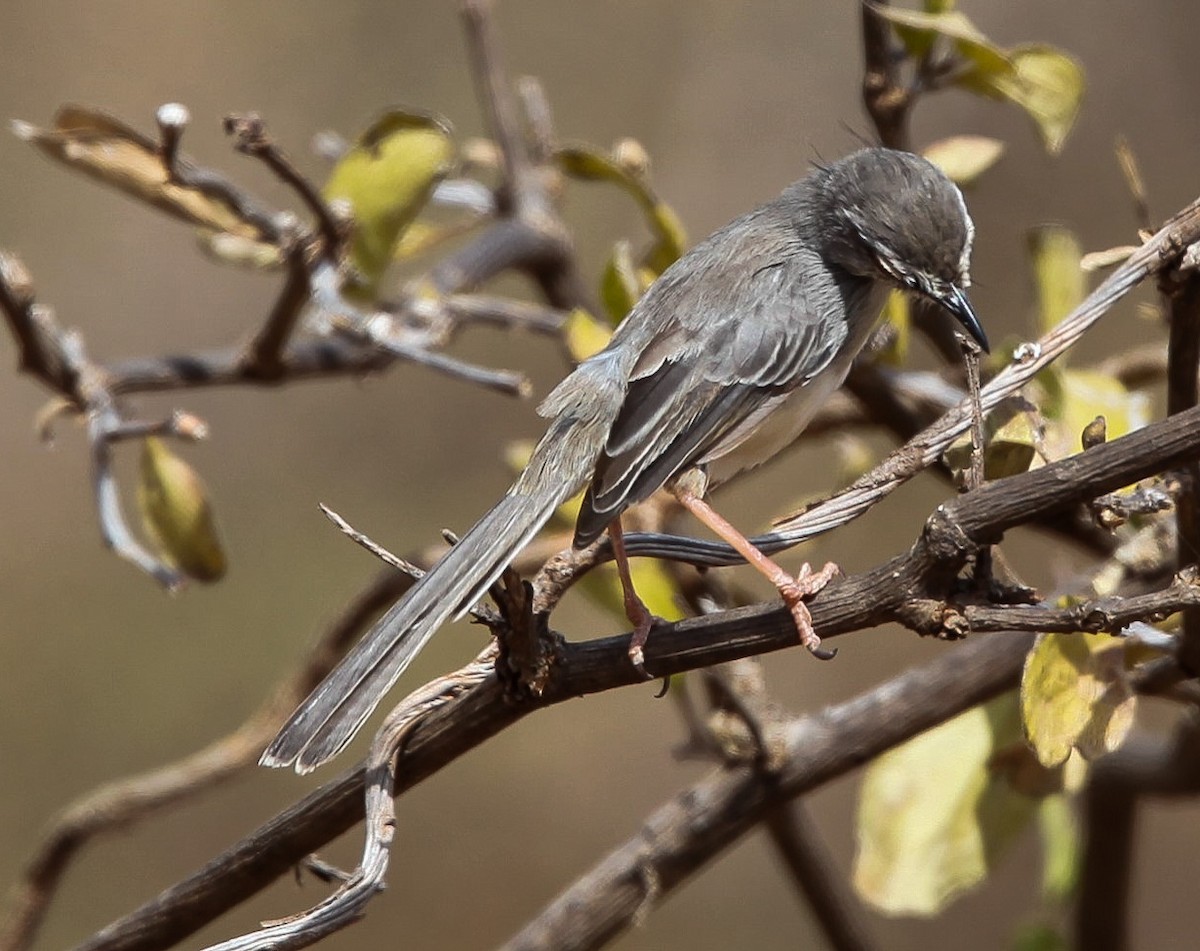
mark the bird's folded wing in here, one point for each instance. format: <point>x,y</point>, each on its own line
<point>715,374</point>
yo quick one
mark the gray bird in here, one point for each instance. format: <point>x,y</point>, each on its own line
<point>718,367</point>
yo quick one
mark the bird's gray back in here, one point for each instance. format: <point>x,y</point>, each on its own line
<point>743,319</point>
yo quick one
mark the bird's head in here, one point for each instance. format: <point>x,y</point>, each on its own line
<point>895,216</point>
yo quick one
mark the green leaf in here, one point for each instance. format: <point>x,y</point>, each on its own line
<point>1044,81</point>
<point>1040,937</point>
<point>672,238</point>
<point>589,164</point>
<point>386,179</point>
<point>1056,254</point>
<point>1012,435</point>
<point>964,157</point>
<point>1060,848</point>
<point>177,513</point>
<point>1075,695</point>
<point>936,813</point>
<point>620,287</point>
<point>918,31</point>
<point>106,149</point>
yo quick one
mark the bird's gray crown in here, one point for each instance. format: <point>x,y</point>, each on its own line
<point>881,210</point>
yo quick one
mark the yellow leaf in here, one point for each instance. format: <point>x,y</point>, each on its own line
<point>105,148</point>
<point>177,513</point>
<point>1056,254</point>
<point>1074,695</point>
<point>1012,443</point>
<point>897,315</point>
<point>964,157</point>
<point>650,580</point>
<point>584,335</point>
<point>386,179</point>
<point>934,814</point>
<point>243,252</point>
<point>1044,81</point>
<point>1076,397</point>
<point>854,458</point>
<point>672,238</point>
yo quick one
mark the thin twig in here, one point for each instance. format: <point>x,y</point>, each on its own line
<point>797,840</point>
<point>136,797</point>
<point>525,197</point>
<point>499,312</point>
<point>250,136</point>
<point>264,356</point>
<point>103,418</point>
<point>493,91</point>
<point>1136,184</point>
<point>348,903</point>
<point>40,353</point>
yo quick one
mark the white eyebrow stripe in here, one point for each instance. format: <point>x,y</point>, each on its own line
<point>964,261</point>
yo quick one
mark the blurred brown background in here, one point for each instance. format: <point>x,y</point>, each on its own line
<point>104,675</point>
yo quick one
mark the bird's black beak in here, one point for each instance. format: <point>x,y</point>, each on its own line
<point>957,303</point>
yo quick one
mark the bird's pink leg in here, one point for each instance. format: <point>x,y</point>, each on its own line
<point>635,608</point>
<point>793,590</point>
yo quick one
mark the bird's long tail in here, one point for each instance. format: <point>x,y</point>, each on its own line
<point>333,713</point>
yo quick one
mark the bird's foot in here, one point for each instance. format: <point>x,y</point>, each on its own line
<point>642,620</point>
<point>794,591</point>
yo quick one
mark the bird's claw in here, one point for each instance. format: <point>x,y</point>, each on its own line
<point>794,592</point>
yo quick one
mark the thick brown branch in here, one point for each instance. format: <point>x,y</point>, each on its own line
<point>1103,615</point>
<point>1183,363</point>
<point>1142,767</point>
<point>589,667</point>
<point>689,830</point>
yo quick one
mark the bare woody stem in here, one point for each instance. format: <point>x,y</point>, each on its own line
<point>873,597</point>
